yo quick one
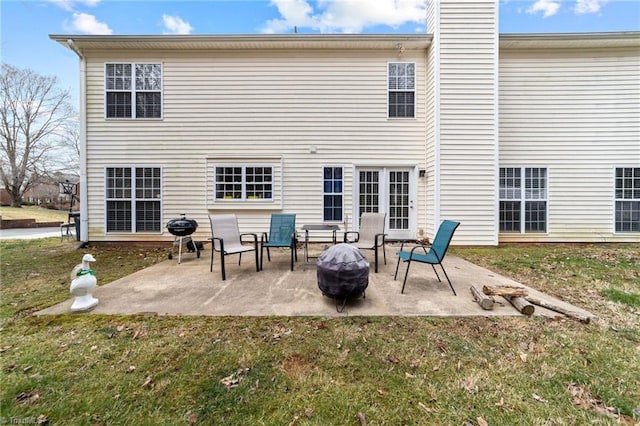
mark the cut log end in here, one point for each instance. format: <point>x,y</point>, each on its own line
<point>485,302</point>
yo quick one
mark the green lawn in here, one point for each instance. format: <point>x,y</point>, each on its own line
<point>122,370</point>
<point>33,212</point>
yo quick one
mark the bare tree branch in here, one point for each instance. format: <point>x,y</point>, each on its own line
<point>33,115</point>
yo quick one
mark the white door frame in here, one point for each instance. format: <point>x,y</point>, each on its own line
<point>383,199</point>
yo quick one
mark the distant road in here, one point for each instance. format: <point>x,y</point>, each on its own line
<point>29,233</point>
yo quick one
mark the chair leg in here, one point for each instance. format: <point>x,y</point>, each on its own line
<point>406,274</point>
<point>397,266</point>
<point>434,270</point>
<point>224,275</point>
<point>257,264</point>
<point>261,255</point>
<point>384,253</point>
<point>292,256</point>
<point>239,258</point>
<point>212,252</point>
<point>450,285</point>
<point>375,256</point>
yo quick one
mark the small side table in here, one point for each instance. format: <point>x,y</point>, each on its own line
<point>316,228</point>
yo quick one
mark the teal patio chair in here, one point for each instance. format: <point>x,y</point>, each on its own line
<point>433,256</point>
<point>227,239</point>
<point>370,236</point>
<point>282,233</point>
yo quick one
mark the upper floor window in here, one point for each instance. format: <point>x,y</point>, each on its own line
<point>627,199</point>
<point>241,183</point>
<point>523,199</point>
<point>133,90</point>
<point>402,89</point>
<point>332,194</point>
<point>133,196</point>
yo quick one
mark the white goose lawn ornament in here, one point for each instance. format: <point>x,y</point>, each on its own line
<point>83,283</point>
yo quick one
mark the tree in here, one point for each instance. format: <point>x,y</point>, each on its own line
<point>33,114</point>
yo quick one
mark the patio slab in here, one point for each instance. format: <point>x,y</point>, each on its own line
<point>188,288</point>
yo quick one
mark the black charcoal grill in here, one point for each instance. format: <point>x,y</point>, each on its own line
<point>343,273</point>
<point>182,228</point>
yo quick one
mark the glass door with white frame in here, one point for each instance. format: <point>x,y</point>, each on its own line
<point>389,190</point>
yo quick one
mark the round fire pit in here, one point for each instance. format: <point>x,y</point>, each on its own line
<point>343,273</point>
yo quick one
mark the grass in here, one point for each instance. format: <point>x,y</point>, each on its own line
<point>33,212</point>
<point>120,370</point>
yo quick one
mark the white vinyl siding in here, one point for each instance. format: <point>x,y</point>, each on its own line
<point>467,100</point>
<point>578,113</point>
<point>299,109</point>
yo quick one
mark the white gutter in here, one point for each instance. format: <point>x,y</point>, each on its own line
<point>84,222</point>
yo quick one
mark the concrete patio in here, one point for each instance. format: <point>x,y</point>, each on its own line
<point>188,288</point>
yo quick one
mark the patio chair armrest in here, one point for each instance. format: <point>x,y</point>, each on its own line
<point>379,241</point>
<point>213,245</point>
<point>346,236</point>
<point>255,237</point>
<point>264,238</point>
<point>415,243</point>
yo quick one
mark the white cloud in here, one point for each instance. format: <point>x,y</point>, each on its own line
<point>87,24</point>
<point>583,7</point>
<point>346,16</point>
<point>547,7</point>
<point>69,4</point>
<point>175,25</point>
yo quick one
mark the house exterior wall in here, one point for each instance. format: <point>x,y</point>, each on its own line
<point>577,113</point>
<point>466,117</point>
<point>274,105</point>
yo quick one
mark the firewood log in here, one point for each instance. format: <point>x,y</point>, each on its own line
<point>521,304</point>
<point>485,302</point>
<point>504,290</point>
<point>571,314</point>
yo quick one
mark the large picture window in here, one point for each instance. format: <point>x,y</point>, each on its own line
<point>523,199</point>
<point>133,198</point>
<point>402,89</point>
<point>332,196</point>
<point>242,183</point>
<point>133,90</point>
<point>627,188</point>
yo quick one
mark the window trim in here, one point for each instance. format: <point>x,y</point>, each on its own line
<point>414,90</point>
<point>616,199</point>
<point>133,90</point>
<point>133,198</point>
<point>522,200</point>
<point>342,194</point>
<point>243,199</point>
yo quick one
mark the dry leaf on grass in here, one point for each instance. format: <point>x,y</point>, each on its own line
<point>538,398</point>
<point>233,380</point>
<point>582,397</point>
<point>361,418</point>
<point>481,421</point>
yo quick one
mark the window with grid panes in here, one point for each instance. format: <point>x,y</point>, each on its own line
<point>523,199</point>
<point>242,183</point>
<point>133,199</point>
<point>133,90</point>
<point>627,198</point>
<point>401,89</point>
<point>332,194</point>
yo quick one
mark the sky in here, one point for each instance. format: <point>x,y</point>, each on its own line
<point>26,24</point>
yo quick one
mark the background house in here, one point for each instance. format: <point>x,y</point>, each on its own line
<point>519,137</point>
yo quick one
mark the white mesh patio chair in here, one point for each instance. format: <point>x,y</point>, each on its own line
<point>227,239</point>
<point>371,235</point>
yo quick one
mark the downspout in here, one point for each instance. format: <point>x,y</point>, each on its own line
<point>84,222</point>
<point>436,119</point>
